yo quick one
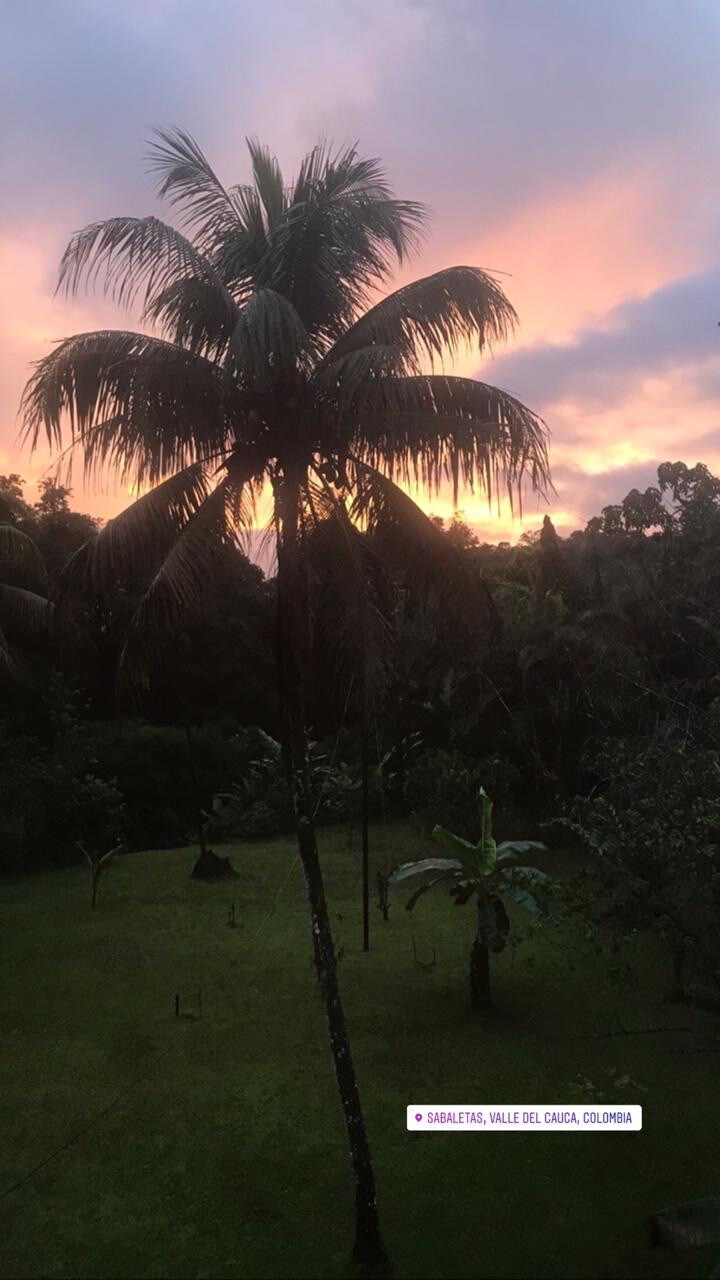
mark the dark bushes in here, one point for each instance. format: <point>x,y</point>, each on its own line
<point>652,828</point>
<point>443,787</point>
<point>98,782</point>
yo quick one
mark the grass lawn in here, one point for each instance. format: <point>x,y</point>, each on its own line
<point>228,1158</point>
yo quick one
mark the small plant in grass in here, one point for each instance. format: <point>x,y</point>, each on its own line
<point>487,874</point>
<point>97,864</point>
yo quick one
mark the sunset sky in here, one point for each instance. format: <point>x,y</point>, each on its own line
<point>570,144</point>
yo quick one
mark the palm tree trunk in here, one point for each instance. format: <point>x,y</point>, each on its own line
<point>368,1247</point>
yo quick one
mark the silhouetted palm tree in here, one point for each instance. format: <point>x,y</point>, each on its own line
<point>272,367</point>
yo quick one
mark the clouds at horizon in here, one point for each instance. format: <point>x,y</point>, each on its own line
<point>641,388</point>
<point>573,147</point>
<point>674,328</point>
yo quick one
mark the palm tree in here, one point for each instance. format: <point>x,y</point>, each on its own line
<point>272,363</point>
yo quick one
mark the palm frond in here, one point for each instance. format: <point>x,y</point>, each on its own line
<point>241,254</point>
<point>350,380</point>
<point>243,492</point>
<point>144,406</point>
<point>193,313</point>
<point>24,612</point>
<point>269,183</point>
<point>427,429</point>
<point>430,565</point>
<point>357,189</point>
<point>269,341</point>
<point>20,557</point>
<point>378,502</point>
<point>176,587</point>
<point>435,316</point>
<point>186,179</point>
<point>338,239</point>
<point>137,257</point>
<point>409,539</point>
<point>133,541</point>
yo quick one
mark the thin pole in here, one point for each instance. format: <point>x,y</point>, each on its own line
<point>181,684</point>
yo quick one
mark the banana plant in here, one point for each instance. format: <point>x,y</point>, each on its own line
<point>487,873</point>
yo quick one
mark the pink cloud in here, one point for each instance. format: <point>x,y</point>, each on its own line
<point>571,172</point>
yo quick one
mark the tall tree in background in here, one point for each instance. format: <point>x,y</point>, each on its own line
<point>272,363</point>
<point>59,531</point>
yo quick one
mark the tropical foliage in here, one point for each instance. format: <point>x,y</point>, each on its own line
<point>652,829</point>
<point>486,873</point>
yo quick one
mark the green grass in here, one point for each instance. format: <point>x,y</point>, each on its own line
<point>228,1158</point>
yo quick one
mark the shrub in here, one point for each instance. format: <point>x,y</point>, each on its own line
<point>165,779</point>
<point>260,803</point>
<point>652,827</point>
<point>89,779</point>
<point>47,803</point>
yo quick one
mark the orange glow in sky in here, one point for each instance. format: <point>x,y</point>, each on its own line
<point>591,190</point>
